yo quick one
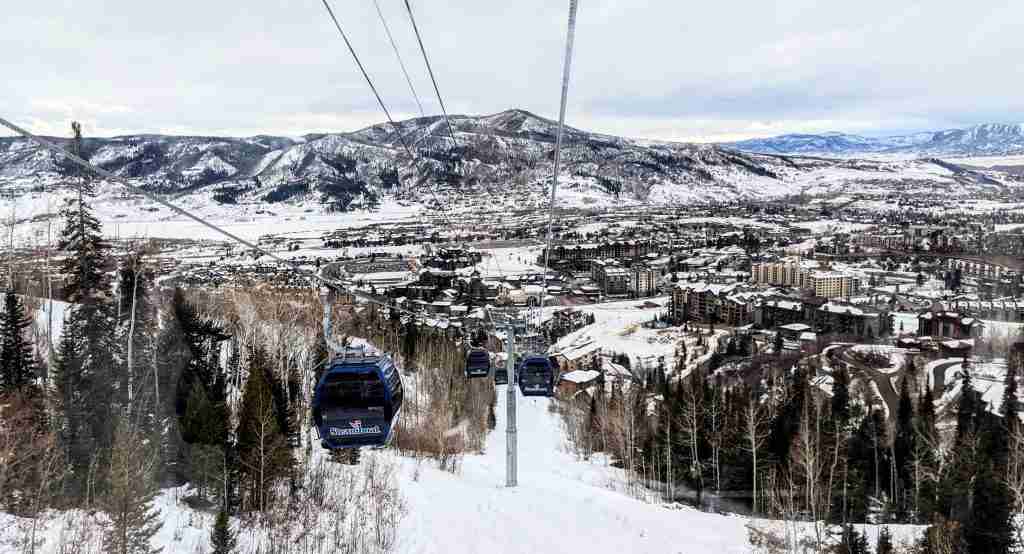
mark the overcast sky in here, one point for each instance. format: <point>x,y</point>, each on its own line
<point>668,69</point>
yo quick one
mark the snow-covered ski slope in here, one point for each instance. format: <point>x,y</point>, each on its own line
<point>562,504</point>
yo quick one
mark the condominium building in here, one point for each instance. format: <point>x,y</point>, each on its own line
<point>786,273</point>
<point>831,284</point>
<point>643,281</point>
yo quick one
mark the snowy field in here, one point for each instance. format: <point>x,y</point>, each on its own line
<point>286,222</point>
<point>989,161</point>
<point>502,262</point>
<point>135,217</point>
<point>821,226</point>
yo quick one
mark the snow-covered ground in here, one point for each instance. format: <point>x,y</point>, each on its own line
<point>561,504</point>
<point>987,377</point>
<point>502,262</point>
<point>989,161</point>
<point>993,328</point>
<point>831,226</point>
<point>129,216</point>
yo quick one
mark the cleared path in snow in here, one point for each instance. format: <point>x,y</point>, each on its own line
<point>561,504</point>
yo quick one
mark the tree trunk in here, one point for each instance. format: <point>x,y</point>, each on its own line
<point>131,336</point>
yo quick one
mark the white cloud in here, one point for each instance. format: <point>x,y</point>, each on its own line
<point>643,68</point>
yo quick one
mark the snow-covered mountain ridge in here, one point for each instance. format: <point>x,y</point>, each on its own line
<point>493,156</point>
<point>990,139</point>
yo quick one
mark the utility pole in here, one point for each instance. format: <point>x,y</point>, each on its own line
<point>511,471</point>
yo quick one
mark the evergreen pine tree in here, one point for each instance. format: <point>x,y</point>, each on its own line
<point>852,541</point>
<point>222,538</point>
<point>1011,405</point>
<point>89,375</point>
<point>72,389</point>
<point>841,395</point>
<point>203,422</point>
<point>867,465</point>
<point>926,415</point>
<point>129,502</point>
<point>262,447</point>
<point>283,408</point>
<point>884,544</point>
<point>926,440</point>
<point>85,264</point>
<point>966,409</point>
<point>989,526</point>
<point>199,337</point>
<point>17,366</point>
<point>903,446</point>
<point>86,381</point>
<point>989,523</point>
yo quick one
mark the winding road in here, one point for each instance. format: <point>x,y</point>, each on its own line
<point>882,380</point>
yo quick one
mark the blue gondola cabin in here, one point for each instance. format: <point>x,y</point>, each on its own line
<point>357,401</point>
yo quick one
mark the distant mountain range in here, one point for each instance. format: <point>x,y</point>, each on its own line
<point>497,158</point>
<point>990,139</point>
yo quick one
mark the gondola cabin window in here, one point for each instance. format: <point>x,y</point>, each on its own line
<point>351,394</point>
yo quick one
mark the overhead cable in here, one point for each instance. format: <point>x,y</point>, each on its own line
<point>426,60</point>
<point>398,55</point>
<point>401,137</point>
<point>366,76</point>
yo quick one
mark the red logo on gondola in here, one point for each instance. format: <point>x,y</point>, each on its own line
<point>357,423</point>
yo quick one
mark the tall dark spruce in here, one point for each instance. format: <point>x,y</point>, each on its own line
<point>89,373</point>
<point>17,365</point>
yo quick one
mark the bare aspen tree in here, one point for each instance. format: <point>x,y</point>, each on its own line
<point>755,431</point>
<point>669,476</point>
<point>691,425</point>
<point>840,438</point>
<point>716,435</point>
<point>131,328</point>
<point>808,460</point>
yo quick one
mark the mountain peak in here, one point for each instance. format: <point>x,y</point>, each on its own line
<point>518,120</point>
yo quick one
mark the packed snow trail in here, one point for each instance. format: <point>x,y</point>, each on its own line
<point>561,505</point>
